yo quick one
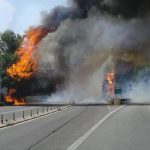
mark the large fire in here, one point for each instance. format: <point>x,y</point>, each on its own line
<point>111,85</point>
<point>26,65</point>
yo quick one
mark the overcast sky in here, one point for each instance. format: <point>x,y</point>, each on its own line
<point>18,15</point>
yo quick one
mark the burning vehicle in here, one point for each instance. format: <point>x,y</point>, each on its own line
<point>119,82</point>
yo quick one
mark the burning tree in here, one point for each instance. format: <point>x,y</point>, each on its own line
<point>26,64</point>
<point>9,42</point>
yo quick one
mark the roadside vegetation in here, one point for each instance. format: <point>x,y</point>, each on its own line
<point>9,42</point>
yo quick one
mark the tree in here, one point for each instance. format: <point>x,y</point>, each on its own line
<point>9,41</point>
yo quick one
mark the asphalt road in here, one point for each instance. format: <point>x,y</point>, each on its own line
<point>125,129</point>
<point>128,129</point>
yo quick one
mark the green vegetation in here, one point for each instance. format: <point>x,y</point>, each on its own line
<point>9,42</point>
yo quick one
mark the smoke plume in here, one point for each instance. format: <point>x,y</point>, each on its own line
<point>124,8</point>
<point>89,37</point>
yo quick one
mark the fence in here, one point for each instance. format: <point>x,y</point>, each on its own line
<point>13,117</point>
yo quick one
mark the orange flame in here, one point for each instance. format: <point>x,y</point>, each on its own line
<point>111,86</point>
<point>26,65</point>
<point>9,98</point>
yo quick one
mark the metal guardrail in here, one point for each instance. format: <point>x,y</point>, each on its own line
<point>14,117</point>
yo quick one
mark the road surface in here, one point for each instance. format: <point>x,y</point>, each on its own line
<point>83,128</point>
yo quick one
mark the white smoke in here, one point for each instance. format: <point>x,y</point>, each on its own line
<point>140,90</point>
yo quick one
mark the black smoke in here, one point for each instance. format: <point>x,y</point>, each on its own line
<point>59,14</point>
<point>124,8</point>
<point>36,85</point>
<point>80,9</point>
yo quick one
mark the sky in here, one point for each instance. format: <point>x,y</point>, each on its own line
<point>18,15</point>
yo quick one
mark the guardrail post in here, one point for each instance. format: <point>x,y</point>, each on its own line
<point>37,111</point>
<point>14,117</point>
<point>23,116</point>
<point>2,119</point>
<point>47,109</point>
<point>43,110</point>
<point>31,113</point>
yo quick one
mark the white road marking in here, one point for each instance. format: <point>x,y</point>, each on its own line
<point>76,144</point>
<point>109,109</point>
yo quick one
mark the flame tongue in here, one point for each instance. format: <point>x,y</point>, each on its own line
<point>111,86</point>
<point>10,99</point>
<point>26,65</point>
